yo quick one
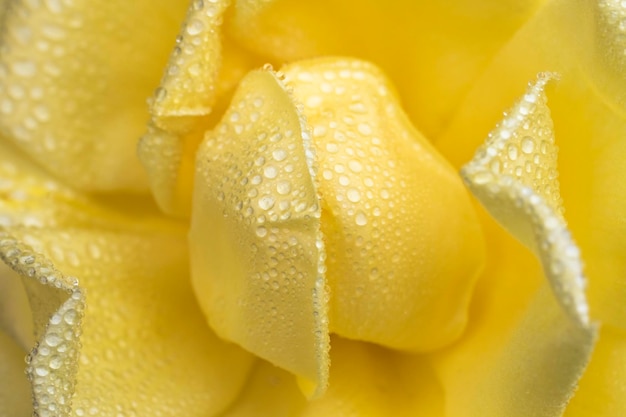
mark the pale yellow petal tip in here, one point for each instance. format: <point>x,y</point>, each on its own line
<point>514,175</point>
<point>58,310</point>
<point>187,90</point>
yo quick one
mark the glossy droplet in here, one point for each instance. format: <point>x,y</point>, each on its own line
<point>194,27</point>
<point>266,202</point>
<point>361,219</point>
<point>528,145</point>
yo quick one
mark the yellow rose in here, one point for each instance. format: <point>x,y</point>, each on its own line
<point>327,243</point>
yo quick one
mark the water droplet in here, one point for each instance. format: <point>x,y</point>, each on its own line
<point>24,68</point>
<point>361,219</point>
<point>354,195</point>
<point>266,202</point>
<point>270,172</point>
<point>160,94</point>
<point>195,27</point>
<point>512,152</point>
<point>528,145</point>
<point>364,129</point>
<point>55,362</point>
<point>41,371</point>
<point>283,187</point>
<point>52,339</point>
<point>332,147</point>
<point>195,69</point>
<point>355,166</point>
<point>279,154</point>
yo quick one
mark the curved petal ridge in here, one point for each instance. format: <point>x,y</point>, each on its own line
<point>514,175</point>
<point>187,89</point>
<point>57,315</point>
<point>257,253</point>
<point>535,351</point>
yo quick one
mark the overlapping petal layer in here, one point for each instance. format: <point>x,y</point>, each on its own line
<point>74,77</point>
<point>522,358</point>
<point>582,40</point>
<point>258,260</point>
<point>589,119</point>
<point>142,325</point>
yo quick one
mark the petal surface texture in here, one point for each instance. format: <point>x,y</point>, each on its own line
<point>141,325</point>
<point>390,207</point>
<point>256,248</point>
<point>531,339</point>
<point>74,80</point>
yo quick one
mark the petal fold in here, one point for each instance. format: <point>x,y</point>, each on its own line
<point>256,248</point>
<point>515,177</point>
<point>269,392</point>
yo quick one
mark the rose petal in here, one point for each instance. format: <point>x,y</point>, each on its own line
<point>75,76</point>
<point>527,347</point>
<point>514,175</point>
<point>256,249</point>
<point>577,40</point>
<point>390,206</point>
<point>141,326</point>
